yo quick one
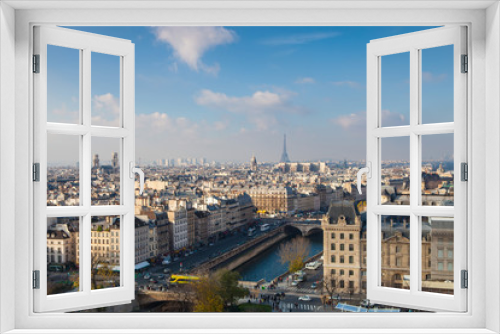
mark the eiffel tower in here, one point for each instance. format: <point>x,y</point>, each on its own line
<point>284,155</point>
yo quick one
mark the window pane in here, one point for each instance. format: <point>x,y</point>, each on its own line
<point>437,170</point>
<point>63,84</point>
<point>437,240</point>
<point>105,90</point>
<point>105,171</point>
<point>395,171</point>
<point>63,170</point>
<point>395,246</point>
<point>105,251</point>
<point>437,84</point>
<point>63,251</point>
<point>395,87</point>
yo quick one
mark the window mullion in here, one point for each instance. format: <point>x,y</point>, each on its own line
<point>86,179</point>
<point>415,173</point>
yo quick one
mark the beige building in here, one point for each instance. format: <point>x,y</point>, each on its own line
<point>178,231</point>
<point>273,199</point>
<point>345,251</point>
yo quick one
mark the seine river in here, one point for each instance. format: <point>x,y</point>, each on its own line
<point>268,266</point>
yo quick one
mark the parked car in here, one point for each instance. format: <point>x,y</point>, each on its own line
<point>166,271</point>
<point>147,276</point>
<point>295,283</point>
<point>305,298</point>
<point>161,276</point>
<point>314,285</point>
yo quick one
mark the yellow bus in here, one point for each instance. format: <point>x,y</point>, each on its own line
<point>180,279</point>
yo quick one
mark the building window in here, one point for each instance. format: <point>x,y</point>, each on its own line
<point>450,266</point>
<point>351,259</point>
<point>351,236</point>
<point>440,253</point>
<point>351,247</point>
<point>333,272</point>
<point>341,283</point>
<point>342,259</point>
<point>440,266</point>
<point>333,259</point>
<point>341,235</point>
<point>333,235</point>
<point>399,262</point>
<point>341,247</point>
<point>450,253</point>
<point>333,247</point>
<point>351,272</point>
<point>341,272</point>
<point>351,284</point>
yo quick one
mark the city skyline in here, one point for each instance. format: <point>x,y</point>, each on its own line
<point>212,100</point>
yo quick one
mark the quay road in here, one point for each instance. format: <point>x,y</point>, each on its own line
<point>204,254</point>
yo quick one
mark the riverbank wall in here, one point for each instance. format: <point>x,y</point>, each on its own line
<point>242,258</point>
<point>242,254</point>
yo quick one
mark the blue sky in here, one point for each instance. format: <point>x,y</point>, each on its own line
<point>226,93</point>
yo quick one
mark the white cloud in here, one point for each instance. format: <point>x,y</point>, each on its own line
<point>260,108</point>
<point>105,110</point>
<point>221,125</point>
<point>350,121</point>
<point>357,121</point>
<point>191,43</point>
<point>347,83</point>
<point>63,114</point>
<point>305,80</point>
<point>430,77</point>
<point>158,123</point>
<point>299,38</point>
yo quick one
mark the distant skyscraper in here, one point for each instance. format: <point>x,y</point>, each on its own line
<point>95,161</point>
<point>284,155</point>
<point>114,160</point>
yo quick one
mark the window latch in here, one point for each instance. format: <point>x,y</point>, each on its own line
<point>368,171</point>
<point>133,170</point>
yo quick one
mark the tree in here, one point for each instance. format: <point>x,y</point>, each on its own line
<point>330,285</point>
<point>103,271</point>
<point>229,290</point>
<point>207,298</point>
<point>294,253</point>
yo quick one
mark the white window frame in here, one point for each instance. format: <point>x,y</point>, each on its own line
<point>86,44</point>
<point>483,21</point>
<point>413,44</point>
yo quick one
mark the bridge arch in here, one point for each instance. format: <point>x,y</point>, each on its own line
<point>303,229</point>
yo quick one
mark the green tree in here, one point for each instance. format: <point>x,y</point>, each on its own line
<point>229,290</point>
<point>207,297</point>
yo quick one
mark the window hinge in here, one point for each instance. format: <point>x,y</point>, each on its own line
<point>465,64</point>
<point>464,171</point>
<point>465,279</point>
<point>36,63</point>
<point>36,279</point>
<point>36,172</point>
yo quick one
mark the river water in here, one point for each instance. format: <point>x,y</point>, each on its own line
<point>267,265</point>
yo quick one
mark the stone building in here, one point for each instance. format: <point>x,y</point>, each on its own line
<point>345,250</point>
<point>273,199</point>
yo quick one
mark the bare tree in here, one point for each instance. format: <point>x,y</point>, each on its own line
<point>101,270</point>
<point>330,284</point>
<point>294,253</point>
